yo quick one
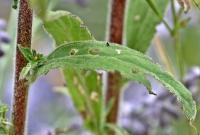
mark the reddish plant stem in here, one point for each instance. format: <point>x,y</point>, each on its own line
<point>115,35</point>
<point>24,32</point>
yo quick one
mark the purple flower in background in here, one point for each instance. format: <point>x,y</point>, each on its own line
<point>4,37</point>
<point>142,112</point>
<point>192,77</point>
<point>2,24</point>
<point>81,2</point>
<point>1,53</point>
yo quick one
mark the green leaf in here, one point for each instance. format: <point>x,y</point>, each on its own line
<point>65,27</point>
<point>26,52</point>
<point>118,130</point>
<point>30,55</point>
<point>4,123</point>
<point>25,71</point>
<point>141,23</point>
<point>130,63</point>
<point>3,110</point>
<point>40,7</point>
<point>190,45</point>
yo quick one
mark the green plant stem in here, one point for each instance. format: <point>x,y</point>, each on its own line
<point>21,86</point>
<point>86,96</point>
<point>179,60</point>
<point>163,55</point>
<point>173,12</point>
<point>176,39</point>
<point>156,11</point>
<point>97,125</point>
<point>114,79</point>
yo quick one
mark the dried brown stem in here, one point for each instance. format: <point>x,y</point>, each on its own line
<point>21,86</point>
<point>115,35</point>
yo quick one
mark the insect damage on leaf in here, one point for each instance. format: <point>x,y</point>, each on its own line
<point>73,51</point>
<point>94,51</point>
<point>131,64</point>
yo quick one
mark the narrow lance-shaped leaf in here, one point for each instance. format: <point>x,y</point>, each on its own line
<point>110,57</point>
<point>66,31</point>
<point>141,23</point>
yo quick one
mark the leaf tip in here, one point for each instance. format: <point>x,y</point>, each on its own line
<point>152,93</point>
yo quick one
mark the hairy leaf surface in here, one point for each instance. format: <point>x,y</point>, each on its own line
<point>131,64</point>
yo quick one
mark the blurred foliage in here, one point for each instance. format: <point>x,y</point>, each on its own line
<point>6,62</point>
<point>94,14</point>
<point>96,55</point>
<point>65,27</point>
<point>141,22</point>
<point>40,7</point>
<point>5,125</point>
<point>191,45</point>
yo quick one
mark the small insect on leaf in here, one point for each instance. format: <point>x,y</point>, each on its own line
<point>107,44</point>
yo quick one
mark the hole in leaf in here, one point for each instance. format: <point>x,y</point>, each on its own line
<point>118,51</point>
<point>73,51</point>
<point>94,51</point>
<point>135,70</point>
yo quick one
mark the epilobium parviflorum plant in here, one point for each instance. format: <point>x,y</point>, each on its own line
<point>94,71</point>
